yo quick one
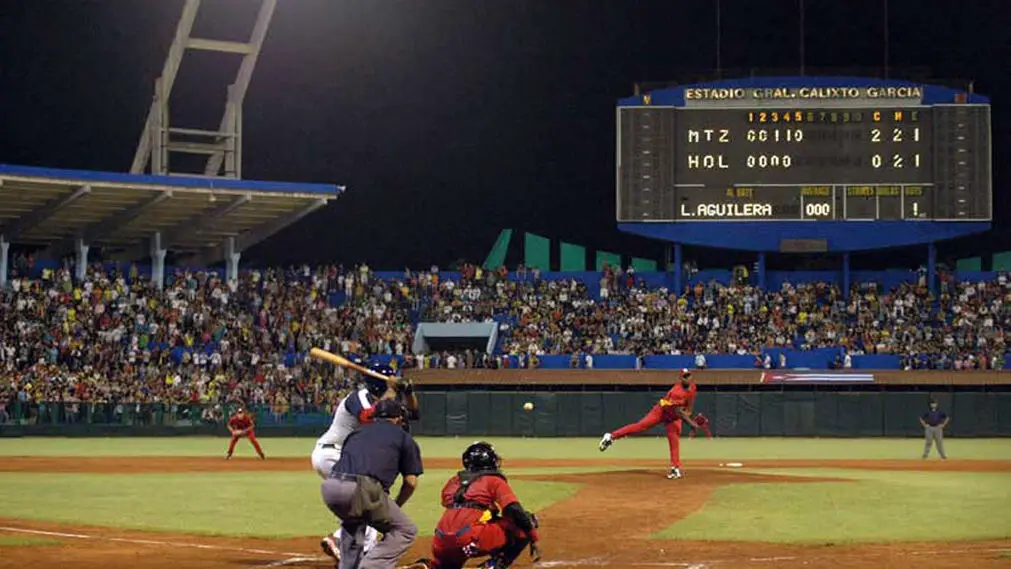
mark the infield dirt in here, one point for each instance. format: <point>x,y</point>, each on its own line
<point>604,525</point>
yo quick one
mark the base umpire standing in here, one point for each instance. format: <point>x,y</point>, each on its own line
<point>934,421</point>
<point>357,490</point>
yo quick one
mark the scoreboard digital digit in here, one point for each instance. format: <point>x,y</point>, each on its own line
<point>780,150</point>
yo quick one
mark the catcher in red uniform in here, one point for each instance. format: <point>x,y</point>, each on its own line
<point>241,424</point>
<point>671,410</point>
<point>482,517</point>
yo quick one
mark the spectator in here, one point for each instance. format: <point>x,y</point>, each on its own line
<point>700,361</point>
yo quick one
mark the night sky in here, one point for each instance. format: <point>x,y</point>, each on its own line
<point>448,120</point>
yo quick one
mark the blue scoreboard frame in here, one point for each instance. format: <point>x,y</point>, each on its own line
<point>804,164</point>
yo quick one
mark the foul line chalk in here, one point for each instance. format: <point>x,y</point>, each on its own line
<point>151,542</point>
<point>600,561</point>
<point>295,560</point>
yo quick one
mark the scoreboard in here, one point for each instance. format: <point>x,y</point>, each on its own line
<point>845,153</point>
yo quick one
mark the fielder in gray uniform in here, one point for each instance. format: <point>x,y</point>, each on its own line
<point>934,421</point>
<point>357,489</point>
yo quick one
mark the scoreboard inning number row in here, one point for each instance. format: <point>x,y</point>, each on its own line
<point>860,162</point>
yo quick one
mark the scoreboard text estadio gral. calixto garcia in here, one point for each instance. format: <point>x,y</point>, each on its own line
<point>840,153</point>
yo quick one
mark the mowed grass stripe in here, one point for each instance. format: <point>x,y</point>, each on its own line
<point>637,448</point>
<point>265,505</point>
<point>874,507</point>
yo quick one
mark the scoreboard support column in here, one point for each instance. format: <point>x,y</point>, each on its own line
<point>760,270</point>
<point>932,269</point>
<point>846,276</point>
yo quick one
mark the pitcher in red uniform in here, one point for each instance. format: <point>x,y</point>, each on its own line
<point>240,424</point>
<point>482,517</point>
<point>671,410</point>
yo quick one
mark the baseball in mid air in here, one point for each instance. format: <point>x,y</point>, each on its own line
<point>528,406</point>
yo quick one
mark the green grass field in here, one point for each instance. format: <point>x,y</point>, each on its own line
<point>865,506</point>
<point>562,448</point>
<point>874,506</point>
<point>26,542</point>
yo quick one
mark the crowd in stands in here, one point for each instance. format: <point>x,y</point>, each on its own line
<point>115,337</point>
<point>963,330</point>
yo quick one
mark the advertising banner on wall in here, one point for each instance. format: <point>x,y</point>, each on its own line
<point>816,377</point>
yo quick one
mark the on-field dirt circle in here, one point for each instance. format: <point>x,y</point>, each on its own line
<point>605,524</point>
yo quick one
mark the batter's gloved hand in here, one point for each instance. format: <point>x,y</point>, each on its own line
<point>535,553</point>
<point>405,386</point>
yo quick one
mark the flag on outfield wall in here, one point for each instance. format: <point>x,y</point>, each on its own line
<point>813,377</point>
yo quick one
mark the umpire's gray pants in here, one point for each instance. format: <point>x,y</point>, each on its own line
<point>933,435</point>
<point>398,535</point>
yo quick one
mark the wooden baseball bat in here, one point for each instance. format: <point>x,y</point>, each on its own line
<point>346,363</point>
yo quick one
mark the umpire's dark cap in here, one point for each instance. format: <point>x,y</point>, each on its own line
<point>389,409</point>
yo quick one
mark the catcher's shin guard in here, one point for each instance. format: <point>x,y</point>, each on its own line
<point>504,558</point>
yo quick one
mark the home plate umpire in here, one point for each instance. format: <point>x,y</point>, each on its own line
<point>357,490</point>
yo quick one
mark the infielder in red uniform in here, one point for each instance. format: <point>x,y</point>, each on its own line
<point>671,410</point>
<point>482,517</point>
<point>241,425</point>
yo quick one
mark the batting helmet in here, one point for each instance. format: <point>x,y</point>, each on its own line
<point>481,456</point>
<point>376,387</point>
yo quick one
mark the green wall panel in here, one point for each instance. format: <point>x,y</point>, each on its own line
<point>605,258</point>
<point>537,251</point>
<point>571,257</point>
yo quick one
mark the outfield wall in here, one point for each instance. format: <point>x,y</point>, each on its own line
<point>569,411</point>
<point>802,413</point>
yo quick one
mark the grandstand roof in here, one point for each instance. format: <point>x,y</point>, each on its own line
<point>194,215</point>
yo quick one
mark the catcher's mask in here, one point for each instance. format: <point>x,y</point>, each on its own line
<point>389,409</point>
<point>481,456</point>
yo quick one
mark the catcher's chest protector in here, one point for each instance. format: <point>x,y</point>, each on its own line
<point>467,478</point>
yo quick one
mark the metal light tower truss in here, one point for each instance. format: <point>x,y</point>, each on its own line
<point>223,147</point>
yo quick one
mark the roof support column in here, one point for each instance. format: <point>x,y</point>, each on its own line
<point>932,270</point>
<point>846,276</point>
<point>5,248</point>
<point>232,257</point>
<point>81,267</point>
<point>157,261</point>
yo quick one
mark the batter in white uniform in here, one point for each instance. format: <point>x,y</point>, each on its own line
<point>353,410</point>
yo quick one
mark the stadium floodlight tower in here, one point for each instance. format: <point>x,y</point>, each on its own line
<point>808,164</point>
<point>223,147</point>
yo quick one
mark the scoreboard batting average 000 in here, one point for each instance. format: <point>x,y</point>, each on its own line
<point>804,154</point>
